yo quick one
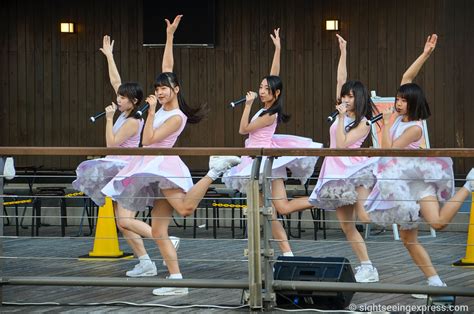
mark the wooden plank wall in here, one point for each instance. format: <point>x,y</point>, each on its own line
<point>52,82</point>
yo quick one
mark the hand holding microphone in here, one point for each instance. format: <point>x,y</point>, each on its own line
<point>340,109</point>
<point>150,104</point>
<point>152,101</point>
<point>248,100</point>
<point>94,118</point>
<point>385,115</point>
<point>110,111</point>
<point>250,97</point>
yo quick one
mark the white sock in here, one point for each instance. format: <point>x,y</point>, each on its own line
<point>144,259</point>
<point>366,263</point>
<point>175,276</point>
<point>213,174</point>
<point>435,281</point>
<point>468,186</point>
<point>290,253</point>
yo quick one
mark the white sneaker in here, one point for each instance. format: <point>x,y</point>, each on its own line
<point>366,274</point>
<point>222,163</point>
<point>9,168</point>
<point>143,270</point>
<point>425,296</point>
<point>175,241</point>
<point>470,180</point>
<point>170,290</point>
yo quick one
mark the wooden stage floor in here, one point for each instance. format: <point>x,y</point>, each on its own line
<point>204,258</point>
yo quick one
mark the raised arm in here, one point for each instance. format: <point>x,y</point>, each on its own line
<point>341,66</point>
<point>275,70</point>
<point>107,50</point>
<point>413,70</point>
<point>168,61</point>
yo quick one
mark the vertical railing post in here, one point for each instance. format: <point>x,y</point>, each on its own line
<point>268,253</point>
<point>253,225</point>
<point>2,166</point>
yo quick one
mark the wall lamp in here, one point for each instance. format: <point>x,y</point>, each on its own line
<point>67,27</point>
<point>332,25</point>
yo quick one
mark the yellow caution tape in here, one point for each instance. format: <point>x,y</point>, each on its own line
<point>17,202</point>
<point>30,200</point>
<point>229,205</point>
<point>74,194</point>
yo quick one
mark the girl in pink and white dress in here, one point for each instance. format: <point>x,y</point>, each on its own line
<point>409,189</point>
<point>164,182</point>
<point>261,130</point>
<point>344,182</point>
<point>93,175</point>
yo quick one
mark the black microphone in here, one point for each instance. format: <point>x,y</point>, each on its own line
<point>235,103</point>
<point>332,116</point>
<point>142,110</point>
<point>97,116</point>
<point>375,119</point>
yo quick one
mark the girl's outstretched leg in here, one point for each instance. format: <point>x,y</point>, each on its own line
<point>439,218</point>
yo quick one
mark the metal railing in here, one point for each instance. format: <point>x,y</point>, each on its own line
<point>262,290</point>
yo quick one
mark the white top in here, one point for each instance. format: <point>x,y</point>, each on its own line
<point>162,115</point>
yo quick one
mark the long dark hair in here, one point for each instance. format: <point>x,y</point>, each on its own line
<point>364,107</point>
<point>417,106</point>
<point>134,92</point>
<point>274,84</point>
<point>170,80</point>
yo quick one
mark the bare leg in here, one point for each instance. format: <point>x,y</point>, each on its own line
<point>161,218</point>
<point>280,199</point>
<point>440,218</point>
<point>186,202</point>
<point>278,232</point>
<point>417,252</point>
<point>362,195</point>
<point>132,229</point>
<point>346,218</point>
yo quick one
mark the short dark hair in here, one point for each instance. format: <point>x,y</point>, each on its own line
<point>417,106</point>
<point>134,92</point>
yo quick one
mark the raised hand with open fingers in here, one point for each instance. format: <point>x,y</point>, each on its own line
<point>107,46</point>
<point>276,38</point>
<point>430,44</point>
<point>171,27</point>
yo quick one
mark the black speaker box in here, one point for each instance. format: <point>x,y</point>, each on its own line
<point>303,268</point>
